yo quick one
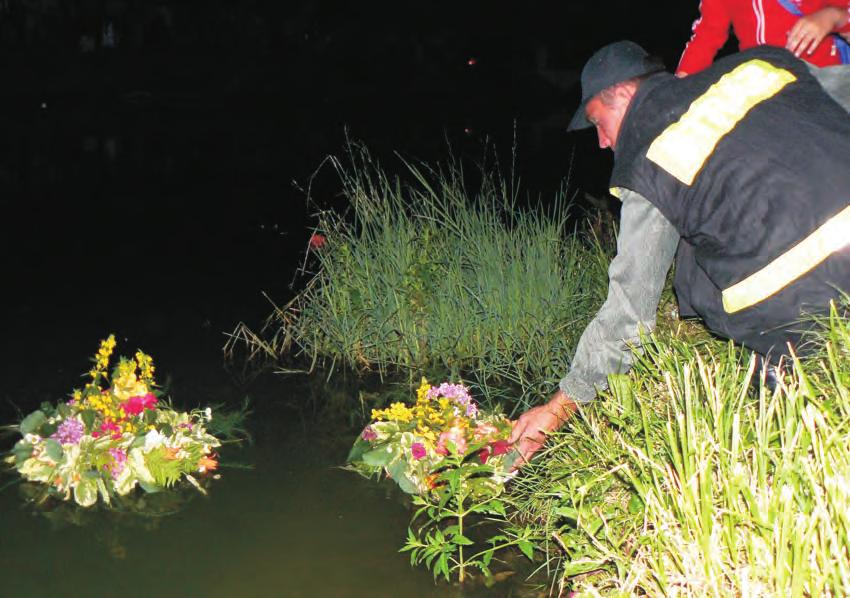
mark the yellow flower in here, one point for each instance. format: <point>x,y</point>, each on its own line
<point>101,359</point>
<point>397,411</point>
<point>422,391</point>
<point>427,434</point>
<point>146,368</point>
<point>400,412</point>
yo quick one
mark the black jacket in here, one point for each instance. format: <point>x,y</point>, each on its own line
<point>750,161</point>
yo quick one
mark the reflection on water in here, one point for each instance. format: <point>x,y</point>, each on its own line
<point>294,524</point>
<point>162,218</point>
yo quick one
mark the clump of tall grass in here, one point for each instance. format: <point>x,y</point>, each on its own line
<point>686,480</point>
<point>422,273</point>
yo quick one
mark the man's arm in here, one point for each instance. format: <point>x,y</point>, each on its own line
<point>835,81</point>
<point>645,249</point>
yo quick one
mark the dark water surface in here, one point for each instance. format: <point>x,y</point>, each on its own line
<point>161,220</point>
<point>294,525</point>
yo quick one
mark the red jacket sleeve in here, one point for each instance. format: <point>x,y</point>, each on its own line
<point>710,32</point>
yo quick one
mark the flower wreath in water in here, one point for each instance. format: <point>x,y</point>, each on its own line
<point>113,435</point>
<point>414,445</point>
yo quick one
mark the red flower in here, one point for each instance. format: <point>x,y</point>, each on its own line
<point>135,405</point>
<point>317,241</point>
<point>501,447</point>
<point>484,454</point>
<point>108,427</point>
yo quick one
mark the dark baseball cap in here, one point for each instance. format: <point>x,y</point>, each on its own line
<point>610,65</point>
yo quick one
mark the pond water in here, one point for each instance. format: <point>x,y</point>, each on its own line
<point>294,524</point>
<point>163,224</point>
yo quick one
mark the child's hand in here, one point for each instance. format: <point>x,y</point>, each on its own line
<point>808,32</point>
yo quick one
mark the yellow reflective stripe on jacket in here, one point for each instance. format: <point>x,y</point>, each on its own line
<point>685,145</point>
<point>791,265</point>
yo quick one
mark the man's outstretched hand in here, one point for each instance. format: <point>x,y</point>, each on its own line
<point>529,432</point>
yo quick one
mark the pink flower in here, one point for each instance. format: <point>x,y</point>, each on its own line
<point>135,405</point>
<point>417,450</point>
<point>119,462</point>
<point>455,435</point>
<point>368,434</point>
<point>484,430</point>
<point>108,427</point>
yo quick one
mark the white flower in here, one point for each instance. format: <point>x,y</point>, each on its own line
<point>153,439</point>
<point>208,413</point>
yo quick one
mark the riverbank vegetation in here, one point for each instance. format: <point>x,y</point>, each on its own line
<point>425,274</point>
<point>689,477</point>
<point>686,479</point>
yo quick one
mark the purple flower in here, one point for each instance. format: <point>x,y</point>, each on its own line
<point>119,462</point>
<point>368,434</point>
<point>69,431</point>
<point>418,450</point>
<point>458,393</point>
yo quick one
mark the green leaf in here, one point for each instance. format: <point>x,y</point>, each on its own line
<point>149,487</point>
<point>48,429</point>
<point>497,506</point>
<point>53,449</point>
<point>85,492</point>
<point>451,530</point>
<point>635,504</point>
<point>462,540</point>
<point>527,548</point>
<point>357,450</point>
<point>104,492</point>
<point>579,567</point>
<point>406,485</point>
<point>22,451</point>
<point>88,416</point>
<point>398,472</point>
<point>32,422</point>
<point>567,512</point>
<point>378,457</point>
<point>442,566</point>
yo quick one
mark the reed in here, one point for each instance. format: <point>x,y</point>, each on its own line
<point>422,274</point>
<point>687,480</point>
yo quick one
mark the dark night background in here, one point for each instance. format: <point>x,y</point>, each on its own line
<point>148,149</point>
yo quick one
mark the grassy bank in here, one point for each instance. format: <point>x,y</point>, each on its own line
<point>684,480</point>
<point>422,274</point>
